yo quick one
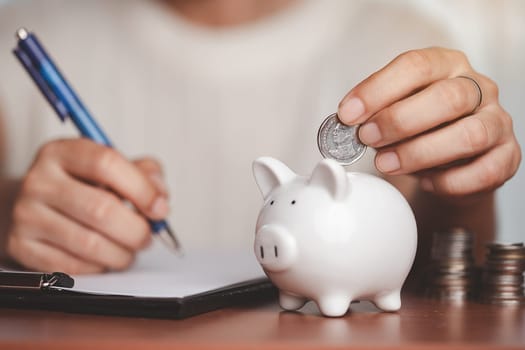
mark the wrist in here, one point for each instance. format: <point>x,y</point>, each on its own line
<point>9,189</point>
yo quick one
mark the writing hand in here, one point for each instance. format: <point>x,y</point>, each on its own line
<point>69,214</point>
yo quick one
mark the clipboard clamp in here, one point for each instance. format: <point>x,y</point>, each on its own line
<point>56,279</point>
<point>17,280</point>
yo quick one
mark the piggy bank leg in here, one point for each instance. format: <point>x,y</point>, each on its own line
<point>290,302</point>
<point>334,305</point>
<point>388,301</point>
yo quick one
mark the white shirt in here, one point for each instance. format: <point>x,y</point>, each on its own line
<point>204,102</point>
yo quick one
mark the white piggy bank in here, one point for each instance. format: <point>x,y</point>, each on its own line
<point>333,237</point>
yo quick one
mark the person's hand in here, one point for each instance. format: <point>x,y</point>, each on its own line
<point>70,215</point>
<point>426,116</point>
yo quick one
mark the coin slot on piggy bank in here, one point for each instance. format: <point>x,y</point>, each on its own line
<point>353,236</point>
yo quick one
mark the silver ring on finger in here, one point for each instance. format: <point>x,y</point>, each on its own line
<point>478,88</point>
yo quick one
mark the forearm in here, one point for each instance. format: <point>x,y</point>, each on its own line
<point>476,215</point>
<point>8,190</point>
<point>433,213</point>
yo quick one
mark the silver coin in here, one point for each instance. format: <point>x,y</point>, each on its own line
<point>339,141</point>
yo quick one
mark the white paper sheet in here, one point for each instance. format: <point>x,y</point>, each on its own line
<point>159,273</point>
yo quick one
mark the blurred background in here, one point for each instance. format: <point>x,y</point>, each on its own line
<point>492,34</point>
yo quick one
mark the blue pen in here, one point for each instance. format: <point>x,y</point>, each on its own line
<point>67,104</point>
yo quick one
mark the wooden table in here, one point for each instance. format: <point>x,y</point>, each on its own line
<point>420,324</point>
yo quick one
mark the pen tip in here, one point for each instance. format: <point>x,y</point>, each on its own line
<point>22,33</point>
<point>168,237</point>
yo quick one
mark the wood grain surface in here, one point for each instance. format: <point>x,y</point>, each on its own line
<point>420,324</point>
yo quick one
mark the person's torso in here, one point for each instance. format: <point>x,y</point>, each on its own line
<point>206,104</point>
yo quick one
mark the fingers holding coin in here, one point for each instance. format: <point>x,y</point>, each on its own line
<point>406,74</point>
<point>465,138</point>
<point>428,112</point>
<point>449,98</point>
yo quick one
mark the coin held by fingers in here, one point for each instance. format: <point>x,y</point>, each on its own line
<point>339,141</point>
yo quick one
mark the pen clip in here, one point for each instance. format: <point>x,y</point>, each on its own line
<point>26,62</point>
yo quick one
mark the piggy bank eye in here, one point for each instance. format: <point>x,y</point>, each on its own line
<point>271,203</point>
<point>293,202</point>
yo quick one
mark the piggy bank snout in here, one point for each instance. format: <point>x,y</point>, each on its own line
<point>275,248</point>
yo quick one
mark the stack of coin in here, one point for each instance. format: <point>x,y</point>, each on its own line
<point>502,281</point>
<point>452,273</point>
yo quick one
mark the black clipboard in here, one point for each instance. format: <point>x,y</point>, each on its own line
<point>32,290</point>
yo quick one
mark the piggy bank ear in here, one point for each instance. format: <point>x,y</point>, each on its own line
<point>270,173</point>
<point>331,176</point>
